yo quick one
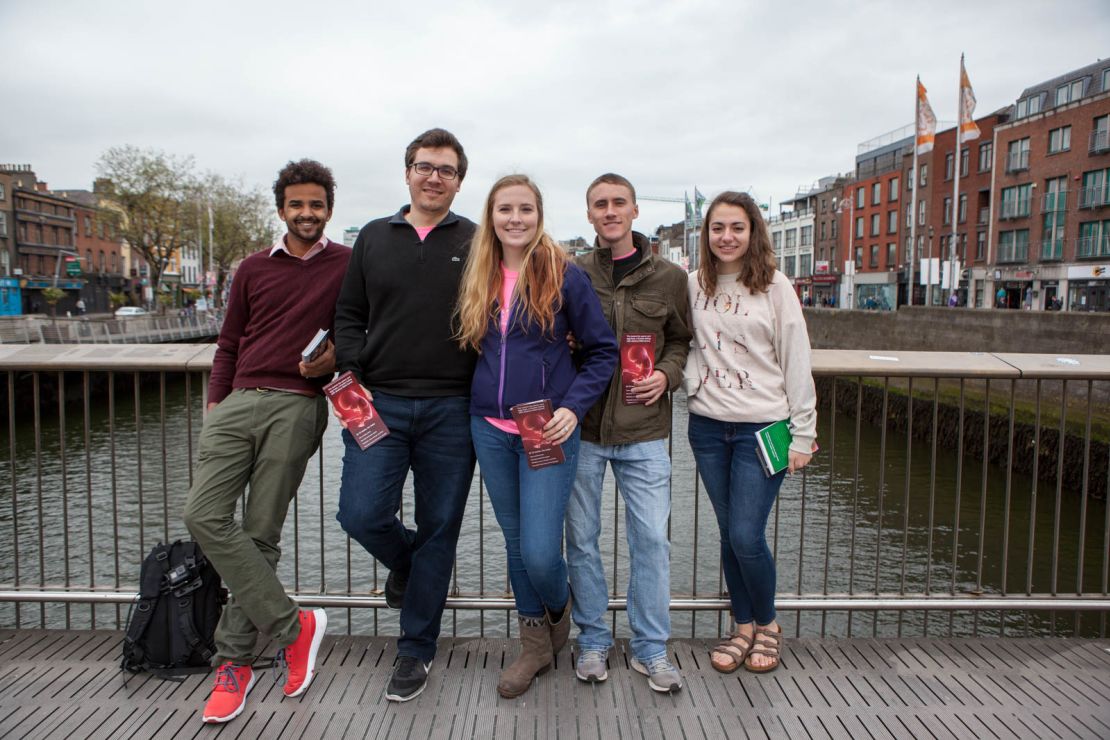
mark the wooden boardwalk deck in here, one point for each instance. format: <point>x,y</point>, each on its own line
<point>57,684</point>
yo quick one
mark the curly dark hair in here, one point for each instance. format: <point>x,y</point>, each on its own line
<point>436,138</point>
<point>300,173</point>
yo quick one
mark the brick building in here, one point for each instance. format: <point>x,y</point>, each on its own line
<point>100,250</point>
<point>40,230</point>
<point>828,254</point>
<point>1050,236</point>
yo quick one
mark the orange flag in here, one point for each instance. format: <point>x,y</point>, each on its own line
<point>926,121</point>
<point>968,129</point>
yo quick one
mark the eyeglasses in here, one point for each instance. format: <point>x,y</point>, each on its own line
<point>425,169</point>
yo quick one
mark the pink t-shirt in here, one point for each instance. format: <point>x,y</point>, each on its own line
<point>508,285</point>
<point>423,231</point>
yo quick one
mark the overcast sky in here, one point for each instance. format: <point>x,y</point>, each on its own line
<point>762,96</point>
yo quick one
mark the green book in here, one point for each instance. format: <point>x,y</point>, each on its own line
<point>774,447</point>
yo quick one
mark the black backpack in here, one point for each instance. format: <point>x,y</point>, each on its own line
<point>170,628</point>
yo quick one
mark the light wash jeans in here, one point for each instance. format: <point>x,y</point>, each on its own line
<point>643,471</point>
<point>530,505</point>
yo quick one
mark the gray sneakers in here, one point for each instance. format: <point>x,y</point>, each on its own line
<point>591,666</point>
<point>662,675</point>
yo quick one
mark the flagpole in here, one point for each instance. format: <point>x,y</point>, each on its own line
<point>913,194</point>
<point>957,159</point>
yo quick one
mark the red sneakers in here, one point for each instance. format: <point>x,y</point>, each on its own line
<point>229,695</point>
<point>300,657</point>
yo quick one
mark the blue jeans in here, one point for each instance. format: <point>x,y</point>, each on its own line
<point>530,506</point>
<point>432,437</point>
<point>643,471</point>
<point>742,497</point>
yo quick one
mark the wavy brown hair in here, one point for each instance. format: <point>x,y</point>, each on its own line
<point>539,287</point>
<point>757,266</point>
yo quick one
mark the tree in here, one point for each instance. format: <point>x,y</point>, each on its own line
<point>52,296</point>
<point>117,299</point>
<point>151,194</point>
<point>243,222</point>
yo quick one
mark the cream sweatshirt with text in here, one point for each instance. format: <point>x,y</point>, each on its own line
<point>750,358</point>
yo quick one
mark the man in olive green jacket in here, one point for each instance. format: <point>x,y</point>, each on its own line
<point>640,293</point>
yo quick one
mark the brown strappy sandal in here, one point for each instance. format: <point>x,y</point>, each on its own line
<point>734,649</point>
<point>770,646</point>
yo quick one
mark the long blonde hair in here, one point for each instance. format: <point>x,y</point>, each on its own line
<point>757,266</point>
<point>538,288</point>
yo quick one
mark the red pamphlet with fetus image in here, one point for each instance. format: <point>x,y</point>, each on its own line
<point>530,419</point>
<point>637,363</point>
<point>354,406</point>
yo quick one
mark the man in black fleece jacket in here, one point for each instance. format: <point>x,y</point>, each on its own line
<point>393,329</point>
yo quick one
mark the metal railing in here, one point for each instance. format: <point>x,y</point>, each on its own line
<point>86,330</point>
<point>886,532</point>
<point>1094,196</point>
<point>1100,141</point>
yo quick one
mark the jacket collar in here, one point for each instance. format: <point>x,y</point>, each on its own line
<point>604,256</point>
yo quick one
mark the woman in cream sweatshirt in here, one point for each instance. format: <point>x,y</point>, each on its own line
<point>749,367</point>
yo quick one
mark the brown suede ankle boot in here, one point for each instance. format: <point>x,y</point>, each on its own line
<point>534,659</point>
<point>560,630</point>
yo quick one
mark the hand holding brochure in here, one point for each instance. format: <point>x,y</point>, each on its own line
<point>354,406</point>
<point>530,420</point>
<point>637,363</point>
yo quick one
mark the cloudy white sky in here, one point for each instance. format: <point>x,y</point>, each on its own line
<point>719,94</point>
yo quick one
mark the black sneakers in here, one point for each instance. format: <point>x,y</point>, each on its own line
<point>409,678</point>
<point>395,586</point>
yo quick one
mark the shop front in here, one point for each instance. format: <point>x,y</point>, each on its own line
<point>1088,288</point>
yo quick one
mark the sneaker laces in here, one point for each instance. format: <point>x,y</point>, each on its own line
<point>227,679</point>
<point>279,665</point>
<point>587,656</point>
<point>660,665</point>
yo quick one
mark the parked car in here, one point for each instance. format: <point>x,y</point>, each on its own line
<point>127,311</point>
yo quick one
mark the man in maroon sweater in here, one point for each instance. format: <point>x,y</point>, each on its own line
<point>266,415</point>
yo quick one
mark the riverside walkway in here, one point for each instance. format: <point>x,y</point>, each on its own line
<point>67,684</point>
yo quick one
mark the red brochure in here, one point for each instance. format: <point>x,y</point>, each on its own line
<point>351,402</point>
<point>530,420</point>
<point>637,363</point>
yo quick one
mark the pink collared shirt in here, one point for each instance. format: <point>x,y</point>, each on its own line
<point>314,250</point>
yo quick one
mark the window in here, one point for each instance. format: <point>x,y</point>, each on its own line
<point>100,228</point>
<point>986,152</point>
<point>876,193</point>
<point>948,160</point>
<point>876,220</point>
<point>893,190</point>
<point>807,236</point>
<point>923,175</point>
<point>1013,246</point>
<point>2,194</point>
<point>823,230</point>
<point>1029,106</point>
<point>909,180</point>
<point>102,263</point>
<point>1059,139</point>
<point>776,240</point>
<point>1069,92</point>
<point>1106,80</point>
<point>1094,240</point>
<point>859,227</point>
<point>860,195</point>
<point>891,221</point>
<point>859,257</point>
<point>113,257</point>
<point>791,238</point>
<point>1015,201</point>
<point>921,212</point>
<point>3,225</point>
<point>1096,189</point>
<point>88,226</point>
<point>962,216</point>
<point>874,256</point>
<point>823,203</point>
<point>88,261</point>
<point>1017,156</point>
<point>1100,135</point>
<point>788,266</point>
<point>891,255</point>
<point>946,216</point>
<point>1055,203</point>
<point>980,245</point>
<point>834,228</point>
<point>805,265</point>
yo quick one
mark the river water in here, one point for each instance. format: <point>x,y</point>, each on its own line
<point>837,529</point>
